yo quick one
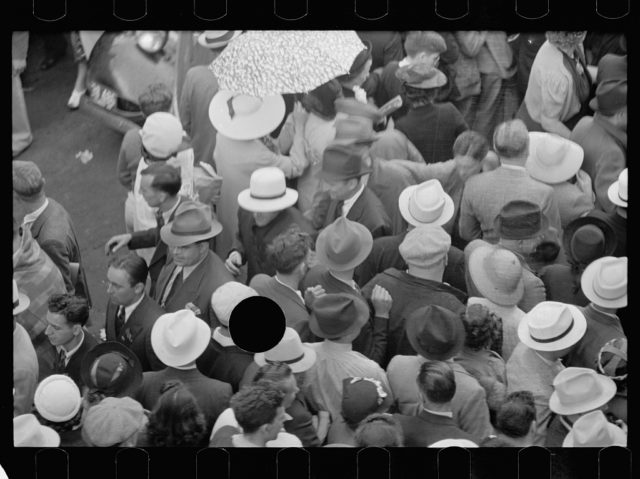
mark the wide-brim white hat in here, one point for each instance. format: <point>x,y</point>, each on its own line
<point>585,431</point>
<point>445,215</point>
<point>57,398</point>
<point>267,205</point>
<point>564,339</point>
<point>614,192</point>
<point>245,117</point>
<point>28,432</point>
<point>179,338</point>
<point>214,39</point>
<point>576,399</point>
<point>553,159</point>
<point>590,283</point>
<point>291,351</point>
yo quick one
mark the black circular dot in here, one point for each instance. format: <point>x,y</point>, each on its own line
<point>257,324</point>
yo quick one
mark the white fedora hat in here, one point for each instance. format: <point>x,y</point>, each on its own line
<point>604,282</point>
<point>245,117</point>
<point>553,159</point>
<point>28,432</point>
<point>267,192</point>
<point>426,203</point>
<point>57,398</point>
<point>179,338</point>
<point>453,443</point>
<point>593,430</point>
<point>618,190</point>
<point>20,300</point>
<point>289,350</point>
<point>552,326</point>
<point>580,390</point>
<point>217,38</point>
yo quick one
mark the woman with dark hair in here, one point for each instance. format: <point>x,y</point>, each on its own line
<point>353,83</point>
<point>176,420</point>
<point>515,423</point>
<point>379,430</point>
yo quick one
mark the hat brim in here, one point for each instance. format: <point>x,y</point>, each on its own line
<point>172,239</point>
<point>552,175</point>
<point>366,244</point>
<point>590,403</point>
<point>171,359</point>
<point>112,347</point>
<point>614,195</point>
<point>327,176</point>
<point>575,335</point>
<point>413,330</point>
<point>214,45</point>
<point>300,366</point>
<point>357,141</point>
<point>483,283</point>
<point>255,205</point>
<point>361,319</point>
<point>51,437</point>
<point>619,438</point>
<point>23,303</point>
<point>586,284</point>
<point>261,123</point>
<point>403,205</point>
<point>610,241</point>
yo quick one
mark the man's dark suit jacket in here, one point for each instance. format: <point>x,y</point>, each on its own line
<point>224,363</point>
<point>426,428</point>
<point>197,288</point>
<point>368,210</point>
<point>54,232</point>
<point>148,239</point>
<point>136,332</point>
<point>75,363</point>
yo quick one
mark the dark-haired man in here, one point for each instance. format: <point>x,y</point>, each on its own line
<point>515,422</point>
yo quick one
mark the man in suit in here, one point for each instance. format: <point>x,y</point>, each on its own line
<point>485,194</point>
<point>66,318</point>
<point>265,211</point>
<point>178,339</point>
<point>131,313</point>
<point>434,422</point>
<point>159,185</point>
<point>50,224</point>
<point>194,272</point>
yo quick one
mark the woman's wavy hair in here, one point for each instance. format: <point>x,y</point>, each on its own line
<point>61,427</point>
<point>565,39</point>
<point>321,100</point>
<point>483,328</point>
<point>417,97</point>
<point>177,419</point>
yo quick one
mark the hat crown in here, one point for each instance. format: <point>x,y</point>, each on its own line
<point>573,385</point>
<point>108,370</point>
<point>28,432</point>
<point>610,281</point>
<point>587,243</point>
<point>519,220</point>
<point>623,184</point>
<point>181,329</point>
<point>425,245</point>
<point>245,105</point>
<point>439,331</point>
<point>592,430</point>
<point>288,350</point>
<point>503,269</point>
<point>343,160</point>
<point>343,241</point>
<point>548,321</point>
<point>336,313</point>
<point>192,219</point>
<point>552,151</point>
<point>427,201</point>
<point>227,297</point>
<point>57,398</point>
<point>267,183</point>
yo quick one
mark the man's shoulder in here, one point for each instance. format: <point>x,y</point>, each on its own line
<point>149,308</point>
<point>262,280</point>
<point>400,363</point>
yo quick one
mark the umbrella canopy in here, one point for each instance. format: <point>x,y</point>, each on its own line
<point>262,63</point>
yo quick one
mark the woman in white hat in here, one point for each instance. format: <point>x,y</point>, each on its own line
<point>243,144</point>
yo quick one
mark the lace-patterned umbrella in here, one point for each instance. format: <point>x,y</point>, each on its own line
<point>262,63</point>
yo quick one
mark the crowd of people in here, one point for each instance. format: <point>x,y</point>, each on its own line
<point>452,272</point>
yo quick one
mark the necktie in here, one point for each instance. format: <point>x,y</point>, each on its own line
<point>170,285</point>
<point>159,219</point>
<point>61,361</point>
<point>119,320</point>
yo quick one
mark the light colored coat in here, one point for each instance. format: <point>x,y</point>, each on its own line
<point>574,200</point>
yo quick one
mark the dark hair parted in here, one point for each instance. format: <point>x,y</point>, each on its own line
<point>436,381</point>
<point>176,419</point>
<point>166,178</point>
<point>287,250</point>
<point>156,97</point>
<point>515,415</point>
<point>75,309</point>
<point>256,405</point>
<point>417,97</point>
<point>471,143</point>
<point>28,182</point>
<point>482,327</point>
<point>320,101</point>
<point>135,266</point>
<point>379,430</point>
<point>274,372</point>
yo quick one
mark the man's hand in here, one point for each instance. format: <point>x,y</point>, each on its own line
<point>116,242</point>
<point>194,308</point>
<point>233,263</point>
<point>382,302</point>
<point>312,293</point>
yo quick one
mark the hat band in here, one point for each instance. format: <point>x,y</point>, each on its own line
<point>286,361</point>
<point>555,338</point>
<point>620,196</point>
<point>192,233</point>
<point>268,197</point>
<point>16,303</point>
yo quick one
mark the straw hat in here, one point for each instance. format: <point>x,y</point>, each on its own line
<point>343,245</point>
<point>552,158</point>
<point>593,430</point>
<point>28,432</point>
<point>425,246</point>
<point>426,203</point>
<point>112,368</point>
<point>57,398</point>
<point>497,274</point>
<point>291,351</point>
<point>215,39</point>
<point>337,315</point>
<point>179,338</point>
<point>588,238</point>
<point>552,326</point>
<point>191,223</point>
<point>227,297</point>
<point>617,192</point>
<point>267,192</point>
<point>162,134</point>
<point>604,282</point>
<point>20,300</point>
<point>579,390</point>
<point>245,117</point>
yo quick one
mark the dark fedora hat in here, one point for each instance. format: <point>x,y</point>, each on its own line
<point>520,220</point>
<point>191,223</point>
<point>334,316</point>
<point>343,162</point>
<point>611,93</point>
<point>435,332</point>
<point>112,369</point>
<point>587,239</point>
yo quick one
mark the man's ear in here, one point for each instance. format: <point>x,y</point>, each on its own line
<point>138,288</point>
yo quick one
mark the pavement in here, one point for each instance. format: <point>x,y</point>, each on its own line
<point>85,184</point>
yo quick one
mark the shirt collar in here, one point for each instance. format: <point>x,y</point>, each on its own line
<point>287,286</point>
<point>348,204</point>
<point>33,216</point>
<point>599,311</point>
<point>128,310</point>
<point>556,363</point>
<point>68,354</point>
<point>513,167</point>
<point>351,283</point>
<point>438,413</point>
<point>333,346</point>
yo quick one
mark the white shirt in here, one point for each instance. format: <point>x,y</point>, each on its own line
<point>513,167</point>
<point>128,310</point>
<point>284,439</point>
<point>70,353</point>
<point>439,413</point>
<point>348,204</point>
<point>294,290</point>
<point>33,216</point>
<point>221,339</point>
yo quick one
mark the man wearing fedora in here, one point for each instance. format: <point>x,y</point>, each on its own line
<point>437,334</point>
<point>485,194</point>
<point>604,136</point>
<point>178,339</point>
<point>604,283</point>
<point>160,184</point>
<point>547,333</point>
<point>593,430</point>
<point>131,312</point>
<point>25,360</point>
<point>199,87</point>
<point>266,209</point>
<point>424,249</point>
<point>617,218</point>
<point>194,272</point>
<point>337,319</point>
